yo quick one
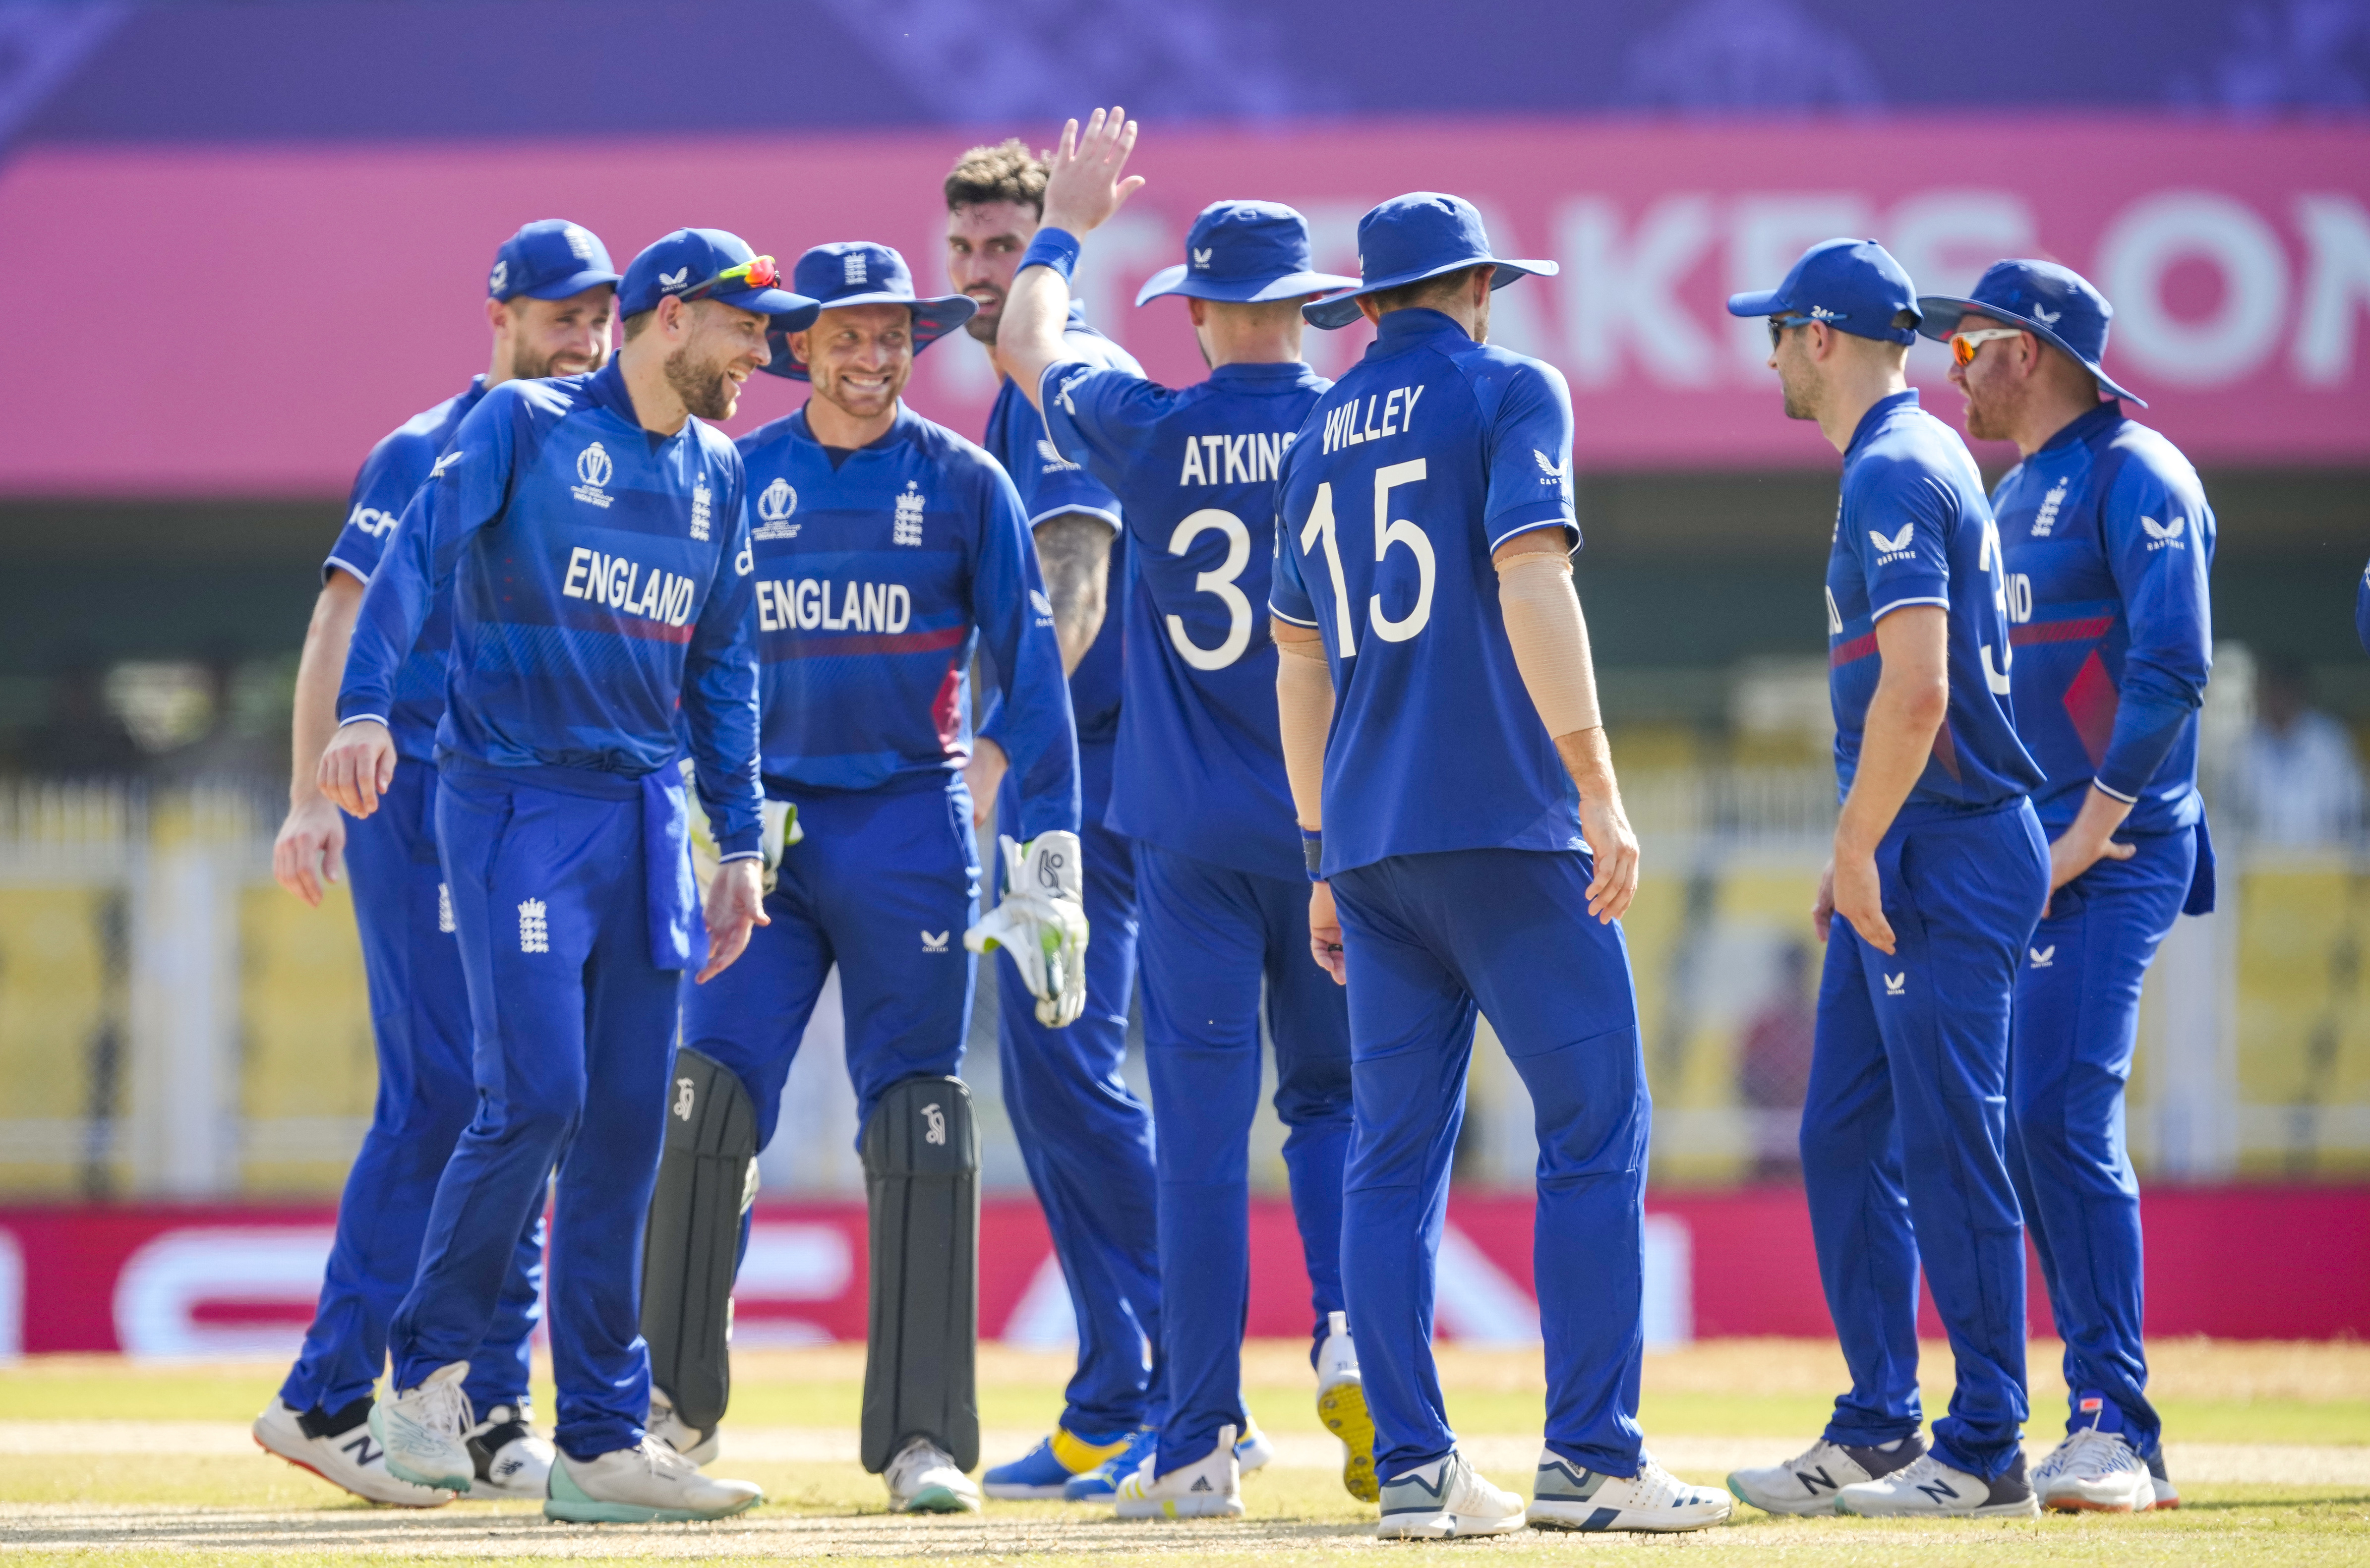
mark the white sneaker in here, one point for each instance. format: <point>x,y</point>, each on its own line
<point>350,1459</point>
<point>923,1480</point>
<point>1808,1482</point>
<point>1209,1488</point>
<point>1253,1450</point>
<point>1342,1406</point>
<point>1930,1489</point>
<point>641,1484</point>
<point>1566,1497</point>
<point>1445,1498</point>
<point>2094,1471</point>
<point>425,1431</point>
<point>511,1461</point>
<point>664,1423</point>
<point>2167,1495</point>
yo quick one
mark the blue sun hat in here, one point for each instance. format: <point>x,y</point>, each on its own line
<point>857,272</point>
<point>1852,285</point>
<point>2054,304</point>
<point>1415,236</point>
<point>1244,253</point>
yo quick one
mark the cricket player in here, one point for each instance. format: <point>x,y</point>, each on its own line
<point>1458,810</point>
<point>1940,872</point>
<point>550,298</point>
<point>1199,785</point>
<point>590,538</point>
<point>2106,542</point>
<point>887,549</point>
<point>1084,1137</point>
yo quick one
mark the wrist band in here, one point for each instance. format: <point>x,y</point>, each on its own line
<point>1056,248</point>
<point>1312,850</point>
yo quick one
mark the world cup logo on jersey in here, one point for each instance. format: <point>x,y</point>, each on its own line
<point>593,467</point>
<point>775,502</point>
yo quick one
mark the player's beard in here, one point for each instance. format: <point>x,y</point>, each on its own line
<point>1798,404</point>
<point>1986,420</point>
<point>707,391</point>
<point>527,365</point>
<point>990,316</point>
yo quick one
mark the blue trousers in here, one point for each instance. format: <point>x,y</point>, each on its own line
<point>420,1024</point>
<point>1211,936</point>
<point>1434,941</point>
<point>1904,1133</point>
<point>2078,1014</point>
<point>884,885</point>
<point>574,1033</point>
<point>1086,1140</point>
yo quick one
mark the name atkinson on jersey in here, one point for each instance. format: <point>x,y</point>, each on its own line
<point>1248,458</point>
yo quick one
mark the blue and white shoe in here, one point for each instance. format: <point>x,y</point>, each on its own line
<point>1100,1484</point>
<point>1052,1465</point>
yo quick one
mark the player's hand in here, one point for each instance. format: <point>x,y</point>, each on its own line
<point>357,765</point>
<point>1083,187</point>
<point>1822,908</point>
<point>1325,933</point>
<point>311,842</point>
<point>1859,896</point>
<point>736,906</point>
<point>985,774</point>
<point>1606,826</point>
<point>2075,851</point>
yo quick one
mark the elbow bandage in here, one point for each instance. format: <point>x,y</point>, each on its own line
<point>1550,641</point>
<point>1304,700</point>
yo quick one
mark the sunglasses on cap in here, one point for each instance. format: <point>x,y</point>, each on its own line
<point>757,272</point>
<point>1964,344</point>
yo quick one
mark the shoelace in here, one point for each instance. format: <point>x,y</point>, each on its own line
<point>1655,1487</point>
<point>915,1456</point>
<point>2105,1452</point>
<point>445,1407</point>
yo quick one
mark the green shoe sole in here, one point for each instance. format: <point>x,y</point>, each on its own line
<point>938,1500</point>
<point>569,1503</point>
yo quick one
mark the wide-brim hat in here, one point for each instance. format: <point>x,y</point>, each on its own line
<point>846,273</point>
<point>1244,253</point>
<point>1410,238</point>
<point>2021,295</point>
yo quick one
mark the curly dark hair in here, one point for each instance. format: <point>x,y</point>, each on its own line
<point>1006,172</point>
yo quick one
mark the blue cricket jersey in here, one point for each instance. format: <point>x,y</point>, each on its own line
<point>1913,527</point>
<point>391,476</point>
<point>2362,611</point>
<point>2106,542</point>
<point>599,577</point>
<point>1199,764</point>
<point>876,576</point>
<point>1432,452</point>
<point>1051,485</point>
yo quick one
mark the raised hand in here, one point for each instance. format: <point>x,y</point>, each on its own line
<point>1083,184</point>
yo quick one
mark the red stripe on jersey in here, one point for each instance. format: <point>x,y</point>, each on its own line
<point>1859,647</point>
<point>2088,629</point>
<point>828,646</point>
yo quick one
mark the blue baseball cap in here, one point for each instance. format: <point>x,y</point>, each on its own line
<point>1244,253</point>
<point>1415,236</point>
<point>2054,304</point>
<point>689,261</point>
<point>1852,285</point>
<point>857,272</point>
<point>550,259</point>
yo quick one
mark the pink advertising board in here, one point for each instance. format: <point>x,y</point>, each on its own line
<point>246,321</point>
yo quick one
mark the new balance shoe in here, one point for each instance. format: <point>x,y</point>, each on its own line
<point>1209,1488</point>
<point>1566,1497</point>
<point>1100,1484</point>
<point>663,1423</point>
<point>2167,1495</point>
<point>1342,1406</point>
<point>1252,1450</point>
<point>2094,1471</point>
<point>1930,1489</point>
<point>340,1448</point>
<point>1808,1482</point>
<point>425,1431</point>
<point>649,1483</point>
<point>1049,1467</point>
<point>923,1480</point>
<point>1444,1498</point>
<point>511,1461</point>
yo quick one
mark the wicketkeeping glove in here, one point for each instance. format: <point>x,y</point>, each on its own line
<point>1043,922</point>
<point>779,829</point>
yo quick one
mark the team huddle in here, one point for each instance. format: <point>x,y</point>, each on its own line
<point>632,733</point>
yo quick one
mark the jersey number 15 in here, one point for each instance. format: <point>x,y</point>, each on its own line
<point>1388,533</point>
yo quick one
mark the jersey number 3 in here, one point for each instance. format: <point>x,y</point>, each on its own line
<point>1220,583</point>
<point>1388,533</point>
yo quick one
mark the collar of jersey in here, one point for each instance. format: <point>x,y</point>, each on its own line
<point>1883,408</point>
<point>1288,371</point>
<point>2083,427</point>
<point>899,429</point>
<point>1417,322</point>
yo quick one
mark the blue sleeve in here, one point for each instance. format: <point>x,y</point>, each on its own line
<point>1530,454</point>
<point>1050,482</point>
<point>391,476</point>
<point>466,489</point>
<point>1032,720</point>
<point>2158,535</point>
<point>719,688</point>
<point>1287,595</point>
<point>1899,528</point>
<point>1094,414</point>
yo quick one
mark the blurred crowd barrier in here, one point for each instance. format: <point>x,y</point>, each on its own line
<point>173,1025</point>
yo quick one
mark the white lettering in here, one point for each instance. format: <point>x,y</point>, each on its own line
<point>1390,410</point>
<point>810,616</point>
<point>1193,472</point>
<point>577,560</point>
<point>900,607</point>
<point>1612,293</point>
<point>1386,478</point>
<point>2336,287</point>
<point>2141,244</point>
<point>766,621</point>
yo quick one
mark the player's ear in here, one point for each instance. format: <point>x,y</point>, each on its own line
<point>497,314</point>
